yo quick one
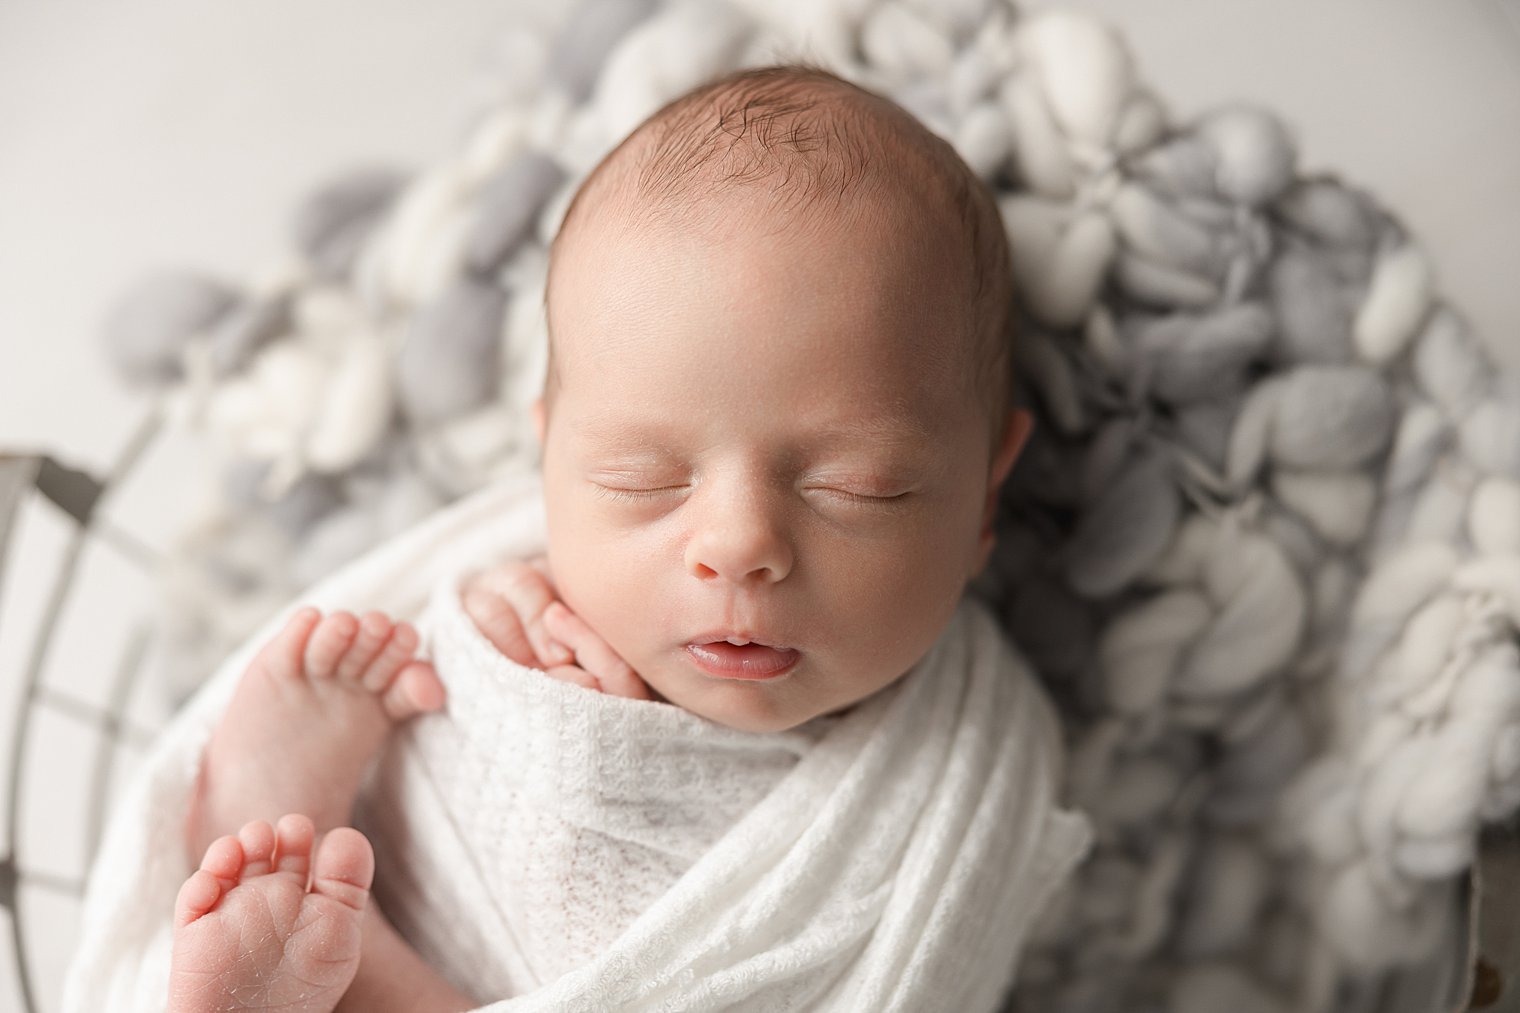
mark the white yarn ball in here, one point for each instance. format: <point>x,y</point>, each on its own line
<point>1428,640</point>
<point>904,45</point>
<point>355,411</point>
<point>1219,987</point>
<point>1140,648</point>
<point>1262,612</point>
<point>1493,519</point>
<point>984,139</point>
<point>1440,508</point>
<point>1256,155</point>
<point>1385,788</point>
<point>1448,364</point>
<point>1338,505</point>
<point>412,256</point>
<point>1084,68</point>
<point>1142,123</point>
<point>1398,299</point>
<point>1497,576</point>
<point>265,412</point>
<point>686,43</point>
<point>1436,858</point>
<point>1163,285</point>
<point>1356,919</point>
<point>1231,883</point>
<point>1490,437</point>
<point>1320,809</point>
<point>1157,230</point>
<point>1044,161</point>
<point>1401,583</point>
<point>1421,439</point>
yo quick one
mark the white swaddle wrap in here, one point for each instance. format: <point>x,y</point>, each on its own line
<point>578,851</point>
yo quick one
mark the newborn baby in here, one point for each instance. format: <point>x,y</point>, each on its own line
<point>774,426</point>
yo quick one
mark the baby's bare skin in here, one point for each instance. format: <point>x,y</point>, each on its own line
<point>516,606</point>
<point>250,934</point>
<point>306,720</point>
<point>303,725</point>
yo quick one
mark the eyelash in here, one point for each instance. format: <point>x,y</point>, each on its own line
<point>636,495</point>
<point>612,492</point>
<point>856,497</point>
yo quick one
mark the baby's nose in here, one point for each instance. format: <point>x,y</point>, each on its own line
<point>740,540</point>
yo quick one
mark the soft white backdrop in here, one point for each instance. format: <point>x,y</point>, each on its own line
<point>178,133</point>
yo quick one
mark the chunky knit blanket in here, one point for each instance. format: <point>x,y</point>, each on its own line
<point>557,849</point>
<point>1264,549</point>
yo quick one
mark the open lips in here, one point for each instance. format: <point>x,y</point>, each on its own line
<point>739,657</point>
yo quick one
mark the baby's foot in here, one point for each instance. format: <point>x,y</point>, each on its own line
<point>306,719</point>
<point>249,935</point>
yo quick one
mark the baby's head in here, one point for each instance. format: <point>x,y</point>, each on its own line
<point>777,405</point>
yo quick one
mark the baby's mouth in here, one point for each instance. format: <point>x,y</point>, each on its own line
<point>737,658</point>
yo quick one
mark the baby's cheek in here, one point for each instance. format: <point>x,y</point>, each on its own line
<point>595,588</point>
<point>909,601</point>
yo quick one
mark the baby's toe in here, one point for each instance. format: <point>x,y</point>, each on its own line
<point>257,839</point>
<point>285,655</point>
<point>221,867</point>
<point>416,689</point>
<point>344,868</point>
<point>374,632</point>
<point>292,850</point>
<point>328,643</point>
<point>197,897</point>
<point>224,858</point>
<point>398,650</point>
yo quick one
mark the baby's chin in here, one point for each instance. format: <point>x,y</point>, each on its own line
<point>743,706</point>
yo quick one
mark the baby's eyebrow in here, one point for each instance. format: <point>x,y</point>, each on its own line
<point>905,430</point>
<point>605,435</point>
<point>896,430</point>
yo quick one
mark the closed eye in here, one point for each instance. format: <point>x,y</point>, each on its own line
<point>620,493</point>
<point>865,499</point>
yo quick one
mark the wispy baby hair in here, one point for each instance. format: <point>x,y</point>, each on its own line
<point>818,149</point>
<point>776,126</point>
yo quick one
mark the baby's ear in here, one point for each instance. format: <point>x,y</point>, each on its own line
<point>539,419</point>
<point>1015,433</point>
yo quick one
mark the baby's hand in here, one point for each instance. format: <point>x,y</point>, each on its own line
<point>515,606</point>
<point>507,605</point>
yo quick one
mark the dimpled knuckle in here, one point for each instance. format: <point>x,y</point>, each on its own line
<point>520,575</point>
<point>578,676</point>
<point>484,607</point>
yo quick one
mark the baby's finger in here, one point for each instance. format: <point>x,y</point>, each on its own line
<point>594,654</point>
<point>529,593</point>
<point>494,618</point>
<point>579,676</point>
<point>541,564</point>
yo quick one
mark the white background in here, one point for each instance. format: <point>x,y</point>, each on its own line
<point>175,133</point>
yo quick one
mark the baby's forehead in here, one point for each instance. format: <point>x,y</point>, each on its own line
<point>800,153</point>
<point>806,147</point>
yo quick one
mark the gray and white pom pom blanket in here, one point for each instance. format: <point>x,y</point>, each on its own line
<point>550,848</point>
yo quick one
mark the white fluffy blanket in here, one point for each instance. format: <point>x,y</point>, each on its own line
<point>557,849</point>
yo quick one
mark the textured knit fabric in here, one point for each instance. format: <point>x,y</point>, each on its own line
<point>550,848</point>
<point>578,811</point>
